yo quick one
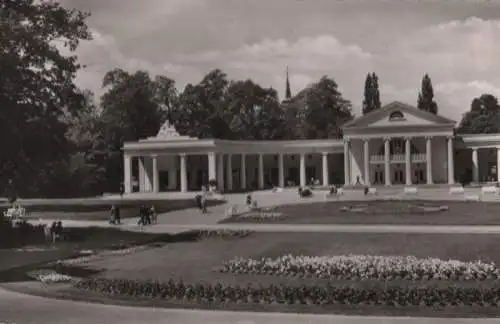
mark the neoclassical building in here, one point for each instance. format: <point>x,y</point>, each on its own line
<point>395,145</point>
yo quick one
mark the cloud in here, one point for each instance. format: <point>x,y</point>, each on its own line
<point>460,56</point>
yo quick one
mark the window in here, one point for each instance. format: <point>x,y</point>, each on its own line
<point>396,115</point>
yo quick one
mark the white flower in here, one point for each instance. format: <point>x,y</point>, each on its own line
<point>54,278</point>
<point>364,266</point>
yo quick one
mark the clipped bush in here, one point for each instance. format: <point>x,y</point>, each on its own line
<point>306,192</point>
<point>223,233</point>
<point>328,294</point>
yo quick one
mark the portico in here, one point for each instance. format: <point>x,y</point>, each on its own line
<point>395,145</point>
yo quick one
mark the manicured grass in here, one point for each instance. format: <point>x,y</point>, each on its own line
<point>92,238</point>
<point>98,209</point>
<point>385,212</point>
<point>195,262</point>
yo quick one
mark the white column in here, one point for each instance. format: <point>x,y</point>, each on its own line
<point>281,171</point>
<point>366,157</point>
<point>156,178</point>
<point>451,163</point>
<point>261,171</point>
<point>387,162</point>
<point>148,175</point>
<point>229,172</point>
<point>347,163</point>
<point>326,181</point>
<point>220,172</point>
<point>212,173</point>
<point>498,164</point>
<point>475,165</point>
<point>243,172</point>
<point>183,167</point>
<point>408,161</point>
<point>303,170</point>
<point>142,174</point>
<point>127,173</point>
<point>428,153</point>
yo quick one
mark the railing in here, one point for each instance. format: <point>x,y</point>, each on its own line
<point>399,158</point>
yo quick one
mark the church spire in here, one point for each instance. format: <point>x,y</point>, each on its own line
<point>288,92</point>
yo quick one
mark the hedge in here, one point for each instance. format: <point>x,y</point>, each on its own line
<point>281,294</point>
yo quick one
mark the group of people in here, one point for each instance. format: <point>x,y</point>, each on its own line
<point>54,232</point>
<point>147,216</point>
<point>115,218</point>
<point>201,202</point>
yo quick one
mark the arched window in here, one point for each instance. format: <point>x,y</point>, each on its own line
<point>396,115</point>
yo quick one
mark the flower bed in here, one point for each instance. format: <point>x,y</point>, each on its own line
<point>395,209</point>
<point>223,233</point>
<point>430,296</point>
<point>365,267</point>
<point>262,215</point>
<point>90,256</point>
<point>54,278</point>
<point>50,276</point>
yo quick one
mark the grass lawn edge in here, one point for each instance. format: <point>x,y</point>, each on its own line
<point>77,295</point>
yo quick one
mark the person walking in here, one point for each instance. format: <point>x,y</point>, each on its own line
<point>204,204</point>
<point>112,215</point>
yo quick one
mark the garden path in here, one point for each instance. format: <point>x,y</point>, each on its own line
<point>192,218</point>
<point>43,310</point>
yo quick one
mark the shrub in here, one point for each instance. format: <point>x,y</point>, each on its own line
<point>306,192</point>
<point>212,183</point>
<point>223,233</point>
<point>365,267</point>
<point>21,234</point>
<point>328,294</point>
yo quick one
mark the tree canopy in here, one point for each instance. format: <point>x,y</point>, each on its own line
<point>36,89</point>
<point>483,116</point>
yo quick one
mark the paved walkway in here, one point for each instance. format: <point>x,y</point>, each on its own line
<point>24,309</point>
<point>180,220</point>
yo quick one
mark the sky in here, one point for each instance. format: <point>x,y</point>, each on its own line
<point>456,42</point>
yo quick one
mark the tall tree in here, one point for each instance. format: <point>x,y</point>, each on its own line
<point>202,109</point>
<point>483,117</point>
<point>371,99</point>
<point>426,96</point>
<point>325,111</point>
<point>133,107</point>
<point>253,112</point>
<point>36,87</point>
<point>87,160</point>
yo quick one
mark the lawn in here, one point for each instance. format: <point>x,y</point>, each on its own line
<point>98,209</point>
<point>195,262</point>
<point>79,239</point>
<point>382,212</point>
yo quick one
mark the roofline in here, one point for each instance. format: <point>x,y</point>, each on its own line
<point>387,106</point>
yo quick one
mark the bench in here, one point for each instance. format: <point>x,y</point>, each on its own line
<point>372,191</point>
<point>471,198</point>
<point>410,190</point>
<point>457,190</point>
<point>233,210</point>
<point>489,190</point>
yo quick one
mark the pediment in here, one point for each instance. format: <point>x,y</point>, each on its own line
<point>397,114</point>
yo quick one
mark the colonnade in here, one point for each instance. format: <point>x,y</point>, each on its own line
<point>475,164</point>
<point>216,170</point>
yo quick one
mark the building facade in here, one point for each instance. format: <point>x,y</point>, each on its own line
<point>395,145</point>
